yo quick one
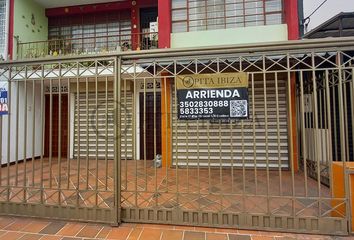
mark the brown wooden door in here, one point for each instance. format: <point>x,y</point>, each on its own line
<point>148,134</point>
<point>55,125</point>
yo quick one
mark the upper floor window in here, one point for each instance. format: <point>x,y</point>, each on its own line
<point>199,15</point>
<point>3,27</point>
<point>91,32</point>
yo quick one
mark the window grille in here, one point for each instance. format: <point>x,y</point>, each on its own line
<point>199,15</point>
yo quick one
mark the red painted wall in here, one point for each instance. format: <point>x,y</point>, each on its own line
<point>164,23</point>
<point>135,25</point>
<point>11,30</point>
<point>291,18</point>
<point>102,7</point>
<point>50,12</point>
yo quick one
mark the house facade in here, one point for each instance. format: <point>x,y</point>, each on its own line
<point>52,30</point>
<point>39,28</point>
<point>98,128</point>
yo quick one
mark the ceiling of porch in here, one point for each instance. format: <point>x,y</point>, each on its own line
<point>64,3</point>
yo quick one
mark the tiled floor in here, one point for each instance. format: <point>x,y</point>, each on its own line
<point>143,186</point>
<point>91,183</point>
<point>34,229</point>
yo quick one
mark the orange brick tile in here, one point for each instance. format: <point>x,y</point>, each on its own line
<point>71,229</point>
<point>262,237</point>
<point>190,235</point>
<point>239,237</point>
<point>216,236</point>
<point>158,226</point>
<point>11,236</point>
<point>131,225</point>
<point>150,234</point>
<point>51,237</point>
<point>285,238</point>
<point>226,230</point>
<point>186,228</point>
<point>89,231</point>
<point>18,225</point>
<point>5,221</point>
<point>30,237</point>
<point>119,233</point>
<point>104,232</point>
<point>135,234</point>
<point>35,226</point>
<point>172,235</point>
<point>71,238</point>
<point>249,232</point>
<point>53,228</point>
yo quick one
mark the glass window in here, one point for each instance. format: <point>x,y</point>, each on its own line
<point>197,15</point>
<point>86,33</point>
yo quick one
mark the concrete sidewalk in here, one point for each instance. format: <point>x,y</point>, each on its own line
<point>33,229</point>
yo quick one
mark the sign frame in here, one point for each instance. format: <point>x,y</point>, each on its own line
<point>213,96</point>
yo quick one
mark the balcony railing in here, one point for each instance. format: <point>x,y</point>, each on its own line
<point>87,45</point>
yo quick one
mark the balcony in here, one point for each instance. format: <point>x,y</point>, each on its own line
<point>87,45</point>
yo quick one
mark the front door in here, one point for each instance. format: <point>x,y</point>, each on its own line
<point>53,128</point>
<point>147,131</point>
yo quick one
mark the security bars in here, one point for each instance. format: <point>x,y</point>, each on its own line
<point>87,126</point>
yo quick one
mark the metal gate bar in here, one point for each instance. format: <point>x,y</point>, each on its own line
<point>193,189</point>
<point>43,174</point>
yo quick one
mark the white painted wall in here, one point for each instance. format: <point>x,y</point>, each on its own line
<point>30,109</point>
<point>327,11</point>
<point>230,36</point>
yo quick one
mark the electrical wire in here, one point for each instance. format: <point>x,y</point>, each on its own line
<point>308,17</point>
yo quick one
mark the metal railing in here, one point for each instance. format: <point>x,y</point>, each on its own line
<point>120,110</point>
<point>87,45</point>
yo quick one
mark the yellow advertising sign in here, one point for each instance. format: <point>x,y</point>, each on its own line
<point>214,80</point>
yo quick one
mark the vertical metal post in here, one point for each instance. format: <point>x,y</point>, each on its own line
<point>278,135</point>
<point>9,95</point>
<point>291,148</point>
<point>42,134</point>
<point>254,135</point>
<point>96,133</point>
<point>117,140</point>
<point>106,134</point>
<point>87,136</point>
<point>341,126</point>
<point>303,130</point>
<point>25,137</point>
<point>329,125</point>
<point>68,136</point>
<point>176,133</point>
<point>50,131</point>
<point>144,127</point>
<point>17,129</point>
<point>59,136</point>
<point>78,135</point>
<point>266,129</point>
<point>33,130</point>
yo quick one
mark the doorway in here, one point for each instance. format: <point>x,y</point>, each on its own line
<point>55,125</point>
<point>148,40</point>
<point>147,132</point>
